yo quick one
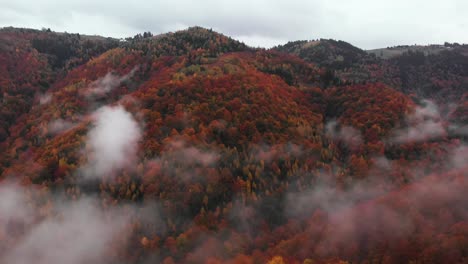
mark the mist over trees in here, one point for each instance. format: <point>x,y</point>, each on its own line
<point>191,147</point>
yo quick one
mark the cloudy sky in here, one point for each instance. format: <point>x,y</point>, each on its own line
<point>364,23</point>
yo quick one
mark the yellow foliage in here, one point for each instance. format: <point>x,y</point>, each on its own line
<point>276,260</point>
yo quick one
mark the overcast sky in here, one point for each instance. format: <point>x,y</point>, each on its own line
<point>364,23</point>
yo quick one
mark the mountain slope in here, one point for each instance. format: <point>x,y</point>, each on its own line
<point>32,60</point>
<point>191,147</point>
<point>437,72</point>
<point>325,52</point>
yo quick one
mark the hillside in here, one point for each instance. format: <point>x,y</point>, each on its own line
<point>191,147</point>
<point>325,52</point>
<point>436,71</point>
<point>391,52</point>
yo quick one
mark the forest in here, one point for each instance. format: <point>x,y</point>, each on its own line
<point>192,147</point>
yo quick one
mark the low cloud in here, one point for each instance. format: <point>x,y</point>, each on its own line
<point>192,155</point>
<point>183,161</point>
<point>59,125</point>
<point>327,197</point>
<point>370,211</point>
<point>394,217</point>
<point>268,153</point>
<point>459,130</point>
<point>45,98</point>
<point>420,132</point>
<point>58,230</point>
<point>10,213</point>
<point>81,233</point>
<point>425,123</point>
<point>459,157</point>
<point>112,142</point>
<point>349,135</point>
<point>108,83</point>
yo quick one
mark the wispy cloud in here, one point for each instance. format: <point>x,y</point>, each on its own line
<point>112,142</point>
<point>349,135</point>
<point>45,98</point>
<point>61,230</point>
<point>423,124</point>
<point>108,83</point>
<point>59,126</point>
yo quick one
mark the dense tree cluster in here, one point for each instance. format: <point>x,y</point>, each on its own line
<point>328,53</point>
<point>437,72</point>
<point>198,44</point>
<point>247,156</point>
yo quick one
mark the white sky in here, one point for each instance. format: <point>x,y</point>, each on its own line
<point>364,23</point>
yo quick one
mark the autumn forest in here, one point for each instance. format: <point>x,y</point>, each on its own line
<point>192,147</point>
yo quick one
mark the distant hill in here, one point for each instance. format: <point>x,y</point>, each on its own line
<point>435,71</point>
<point>392,52</point>
<point>325,52</point>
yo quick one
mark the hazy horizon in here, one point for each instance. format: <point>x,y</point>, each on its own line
<point>266,47</point>
<point>363,23</point>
